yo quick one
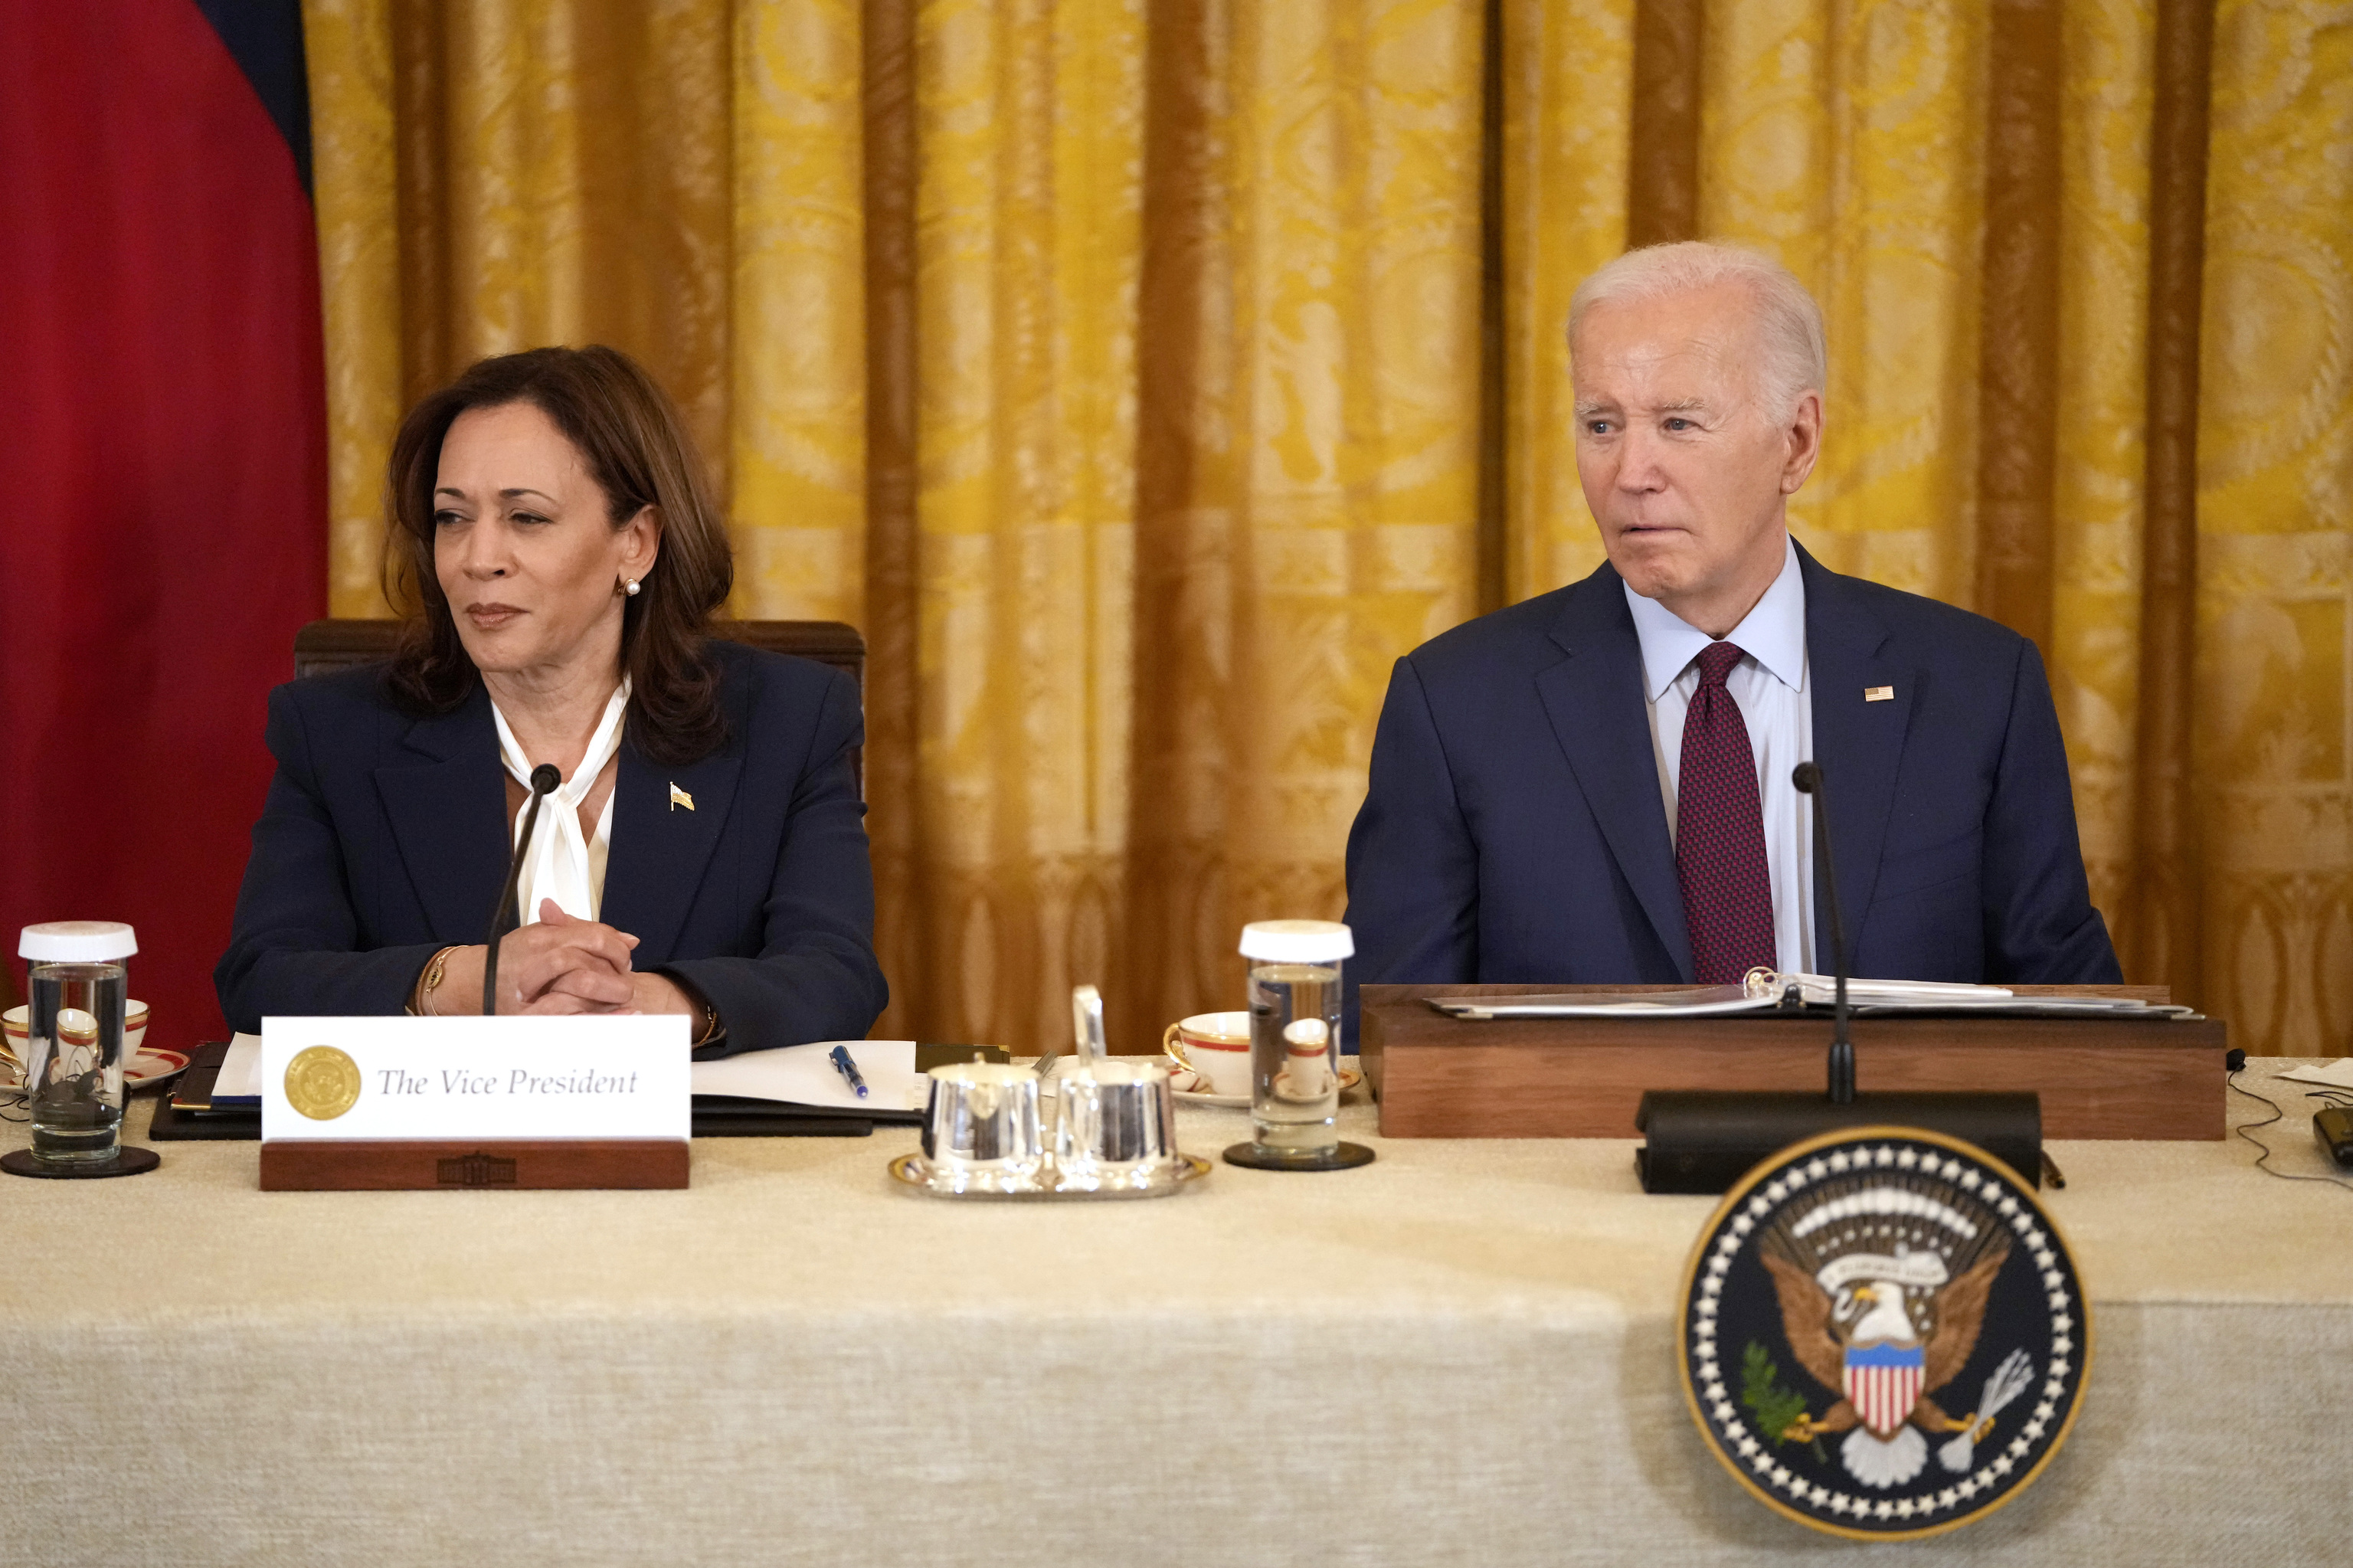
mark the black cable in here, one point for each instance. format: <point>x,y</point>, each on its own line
<point>2247,1129</point>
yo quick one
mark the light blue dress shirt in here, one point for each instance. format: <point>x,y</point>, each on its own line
<point>1769,685</point>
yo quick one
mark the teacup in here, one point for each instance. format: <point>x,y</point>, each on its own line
<point>1216,1047</point>
<point>1306,1062</point>
<point>17,1025</point>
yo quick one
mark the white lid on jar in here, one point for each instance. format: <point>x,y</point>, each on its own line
<point>1298,942</point>
<point>77,942</point>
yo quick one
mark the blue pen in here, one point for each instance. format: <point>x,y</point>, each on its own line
<point>839,1057</point>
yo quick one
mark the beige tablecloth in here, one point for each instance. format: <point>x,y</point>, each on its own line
<point>1462,1354</point>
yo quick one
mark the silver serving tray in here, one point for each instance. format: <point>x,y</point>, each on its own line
<point>908,1172</point>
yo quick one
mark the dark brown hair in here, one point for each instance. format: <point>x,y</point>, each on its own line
<point>635,447</point>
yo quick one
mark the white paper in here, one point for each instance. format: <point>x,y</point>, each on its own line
<point>2336,1074</point>
<point>1952,996</point>
<point>621,1078</point>
<point>1824,988</point>
<point>1600,1005</point>
<point>805,1075</point>
<point>794,1074</point>
<point>1865,996</point>
<point>240,1071</point>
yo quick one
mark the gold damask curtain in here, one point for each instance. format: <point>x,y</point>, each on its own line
<point>1144,377</point>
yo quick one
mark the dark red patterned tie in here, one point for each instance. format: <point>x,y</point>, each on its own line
<point>1720,832</point>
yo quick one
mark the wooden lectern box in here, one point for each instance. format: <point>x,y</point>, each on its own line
<point>1437,1076</point>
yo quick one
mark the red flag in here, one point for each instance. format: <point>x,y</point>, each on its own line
<point>163,463</point>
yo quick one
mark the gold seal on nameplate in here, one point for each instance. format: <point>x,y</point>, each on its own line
<point>323,1083</point>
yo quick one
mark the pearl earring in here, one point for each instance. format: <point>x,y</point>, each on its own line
<point>629,586</point>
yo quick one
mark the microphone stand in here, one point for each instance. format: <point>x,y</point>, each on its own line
<point>1808,777</point>
<point>1703,1140</point>
<point>544,779</point>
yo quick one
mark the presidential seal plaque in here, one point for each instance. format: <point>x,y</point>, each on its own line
<point>1882,1334</point>
<point>323,1083</point>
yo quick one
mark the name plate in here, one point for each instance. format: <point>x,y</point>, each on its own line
<point>376,1079</point>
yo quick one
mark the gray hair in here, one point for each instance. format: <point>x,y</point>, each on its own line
<point>1796,358</point>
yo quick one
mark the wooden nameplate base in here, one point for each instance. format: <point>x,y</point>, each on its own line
<point>1437,1076</point>
<point>313,1165</point>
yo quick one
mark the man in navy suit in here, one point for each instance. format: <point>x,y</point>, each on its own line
<point>1594,786</point>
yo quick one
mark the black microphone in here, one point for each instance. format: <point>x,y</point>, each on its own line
<point>1808,777</point>
<point>544,778</point>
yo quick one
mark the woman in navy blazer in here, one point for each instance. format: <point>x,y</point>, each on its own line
<point>555,537</point>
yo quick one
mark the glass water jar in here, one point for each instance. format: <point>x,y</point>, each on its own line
<point>73,1037</point>
<point>1296,969</point>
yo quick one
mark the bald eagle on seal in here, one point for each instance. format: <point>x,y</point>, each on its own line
<point>1882,1283</point>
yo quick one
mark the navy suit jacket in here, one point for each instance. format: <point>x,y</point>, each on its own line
<point>384,838</point>
<point>1514,829</point>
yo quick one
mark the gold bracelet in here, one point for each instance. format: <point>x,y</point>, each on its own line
<point>709,1023</point>
<point>430,982</point>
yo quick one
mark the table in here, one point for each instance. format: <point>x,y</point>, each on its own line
<point>1461,1354</point>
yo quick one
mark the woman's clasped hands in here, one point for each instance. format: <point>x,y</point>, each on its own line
<point>561,964</point>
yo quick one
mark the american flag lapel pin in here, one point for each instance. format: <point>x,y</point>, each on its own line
<point>679,796</point>
<point>1870,694</point>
